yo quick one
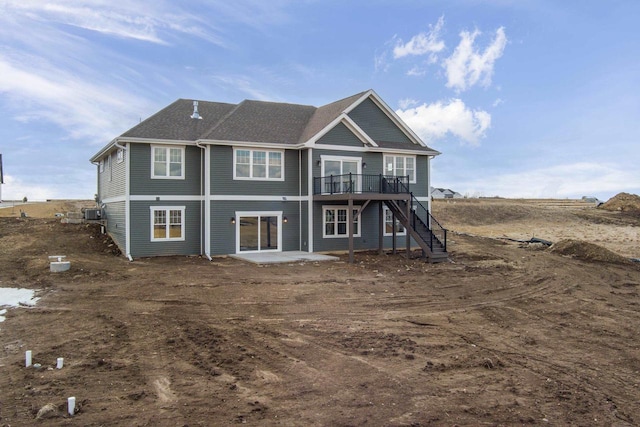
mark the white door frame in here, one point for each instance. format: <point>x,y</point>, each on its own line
<point>240,214</point>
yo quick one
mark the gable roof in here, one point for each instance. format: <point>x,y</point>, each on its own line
<point>262,122</point>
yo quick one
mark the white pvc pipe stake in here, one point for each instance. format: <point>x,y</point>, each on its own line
<point>59,362</point>
<point>71,405</point>
<point>27,358</point>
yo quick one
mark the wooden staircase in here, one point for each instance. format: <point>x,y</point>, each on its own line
<point>423,227</point>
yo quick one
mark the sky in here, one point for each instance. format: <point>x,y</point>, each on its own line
<point>523,98</point>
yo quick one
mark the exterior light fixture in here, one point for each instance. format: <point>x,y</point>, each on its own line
<point>319,163</point>
<point>233,220</point>
<point>364,165</point>
<point>285,220</point>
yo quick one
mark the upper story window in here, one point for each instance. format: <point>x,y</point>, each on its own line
<point>101,167</point>
<point>258,164</point>
<point>120,155</point>
<point>167,162</point>
<point>401,166</point>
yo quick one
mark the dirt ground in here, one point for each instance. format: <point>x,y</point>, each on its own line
<point>505,334</point>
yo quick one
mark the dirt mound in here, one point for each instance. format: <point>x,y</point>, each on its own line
<point>47,209</point>
<point>623,202</point>
<point>586,251</point>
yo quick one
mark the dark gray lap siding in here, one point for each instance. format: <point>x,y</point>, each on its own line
<point>141,244</point>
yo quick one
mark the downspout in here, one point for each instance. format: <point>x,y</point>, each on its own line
<point>299,200</point>
<point>127,201</point>
<point>310,199</point>
<point>204,190</point>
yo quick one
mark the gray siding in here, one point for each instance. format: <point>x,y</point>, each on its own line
<point>222,182</point>
<point>223,232</point>
<point>140,170</point>
<point>421,187</point>
<point>304,168</point>
<point>369,231</point>
<point>116,223</point>
<point>141,244</point>
<point>376,123</point>
<point>111,182</point>
<point>340,135</point>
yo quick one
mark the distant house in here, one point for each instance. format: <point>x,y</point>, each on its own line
<point>211,178</point>
<point>445,193</point>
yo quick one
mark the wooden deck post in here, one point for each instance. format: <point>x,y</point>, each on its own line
<point>408,213</point>
<point>350,225</point>
<point>380,228</point>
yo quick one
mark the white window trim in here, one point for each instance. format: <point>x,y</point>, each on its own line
<point>398,233</point>
<point>101,167</point>
<point>168,147</point>
<point>324,158</point>
<point>109,166</point>
<point>251,178</point>
<point>167,209</point>
<point>340,236</point>
<point>120,155</point>
<point>412,180</point>
<point>240,214</point>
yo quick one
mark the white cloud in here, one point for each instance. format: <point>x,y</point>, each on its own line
<point>246,85</point>
<point>15,189</point>
<point>564,180</point>
<point>422,43</point>
<point>149,21</point>
<point>467,66</point>
<point>416,72</point>
<point>406,103</point>
<point>498,101</point>
<point>435,121</point>
<point>84,108</point>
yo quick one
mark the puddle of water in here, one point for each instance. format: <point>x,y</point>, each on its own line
<point>13,297</point>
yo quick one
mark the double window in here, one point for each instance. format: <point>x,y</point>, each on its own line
<point>258,164</point>
<point>335,221</point>
<point>401,166</point>
<point>167,162</point>
<point>167,223</point>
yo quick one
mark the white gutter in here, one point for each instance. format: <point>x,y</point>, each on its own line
<point>206,192</point>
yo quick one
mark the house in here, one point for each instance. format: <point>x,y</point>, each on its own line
<point>445,193</point>
<point>211,178</point>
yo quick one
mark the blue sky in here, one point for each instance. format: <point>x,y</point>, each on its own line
<point>524,98</point>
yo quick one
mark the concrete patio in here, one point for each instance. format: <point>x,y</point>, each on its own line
<point>283,257</point>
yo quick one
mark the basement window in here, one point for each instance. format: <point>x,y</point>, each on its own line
<point>335,221</point>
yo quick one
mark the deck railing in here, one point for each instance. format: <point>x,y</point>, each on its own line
<point>360,183</point>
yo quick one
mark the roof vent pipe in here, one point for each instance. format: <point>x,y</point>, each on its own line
<point>195,114</point>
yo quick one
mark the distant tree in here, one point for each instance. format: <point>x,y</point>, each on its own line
<point>24,199</point>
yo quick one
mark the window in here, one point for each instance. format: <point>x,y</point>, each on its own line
<point>120,155</point>
<point>167,223</point>
<point>109,167</point>
<point>334,221</point>
<point>401,166</point>
<point>258,164</point>
<point>101,166</point>
<point>389,224</point>
<point>167,162</point>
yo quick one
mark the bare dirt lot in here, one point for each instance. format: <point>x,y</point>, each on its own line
<point>506,334</point>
